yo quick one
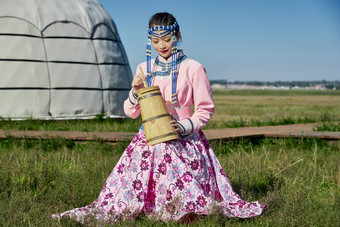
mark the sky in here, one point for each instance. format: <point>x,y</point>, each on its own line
<point>242,40</point>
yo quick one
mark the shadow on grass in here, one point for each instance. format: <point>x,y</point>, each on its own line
<point>257,186</point>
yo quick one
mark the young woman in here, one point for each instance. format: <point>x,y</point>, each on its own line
<point>171,179</point>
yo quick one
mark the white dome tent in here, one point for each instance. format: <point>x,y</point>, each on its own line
<point>60,59</point>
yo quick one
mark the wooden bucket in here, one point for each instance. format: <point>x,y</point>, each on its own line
<point>155,117</point>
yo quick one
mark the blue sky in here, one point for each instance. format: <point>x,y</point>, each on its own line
<point>246,40</point>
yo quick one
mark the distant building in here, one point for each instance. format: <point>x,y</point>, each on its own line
<point>218,86</point>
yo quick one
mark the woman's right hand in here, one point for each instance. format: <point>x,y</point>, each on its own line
<point>137,82</point>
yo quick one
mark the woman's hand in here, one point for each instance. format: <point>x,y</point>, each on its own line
<point>138,81</point>
<point>176,126</point>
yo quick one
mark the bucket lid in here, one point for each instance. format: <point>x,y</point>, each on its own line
<point>147,89</point>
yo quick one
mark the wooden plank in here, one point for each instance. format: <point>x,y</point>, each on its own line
<point>296,130</point>
<point>76,136</point>
<point>320,135</point>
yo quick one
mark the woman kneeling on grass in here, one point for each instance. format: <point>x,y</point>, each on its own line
<point>172,179</point>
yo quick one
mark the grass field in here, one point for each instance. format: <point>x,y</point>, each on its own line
<point>233,108</point>
<point>299,179</point>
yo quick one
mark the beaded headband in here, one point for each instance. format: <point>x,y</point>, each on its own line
<point>164,31</point>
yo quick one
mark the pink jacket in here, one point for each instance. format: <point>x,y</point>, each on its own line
<point>193,88</point>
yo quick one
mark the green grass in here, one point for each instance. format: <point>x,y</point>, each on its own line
<point>328,126</point>
<point>233,108</point>
<point>91,125</point>
<point>214,124</point>
<point>270,107</point>
<point>299,180</point>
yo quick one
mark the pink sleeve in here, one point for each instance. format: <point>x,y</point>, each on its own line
<point>131,106</point>
<point>203,102</point>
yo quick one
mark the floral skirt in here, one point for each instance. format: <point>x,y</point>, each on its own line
<point>165,181</point>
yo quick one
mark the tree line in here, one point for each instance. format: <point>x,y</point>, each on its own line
<point>327,84</point>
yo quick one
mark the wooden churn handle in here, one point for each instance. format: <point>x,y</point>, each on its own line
<point>144,81</point>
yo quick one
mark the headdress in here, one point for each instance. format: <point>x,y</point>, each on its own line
<point>164,30</point>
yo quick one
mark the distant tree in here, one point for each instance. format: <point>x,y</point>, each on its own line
<point>328,84</point>
<point>224,82</point>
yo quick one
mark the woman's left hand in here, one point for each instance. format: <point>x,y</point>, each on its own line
<point>176,126</point>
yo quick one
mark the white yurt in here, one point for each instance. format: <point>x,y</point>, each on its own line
<point>60,59</point>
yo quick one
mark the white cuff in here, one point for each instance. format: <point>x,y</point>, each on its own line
<point>133,98</point>
<point>186,125</point>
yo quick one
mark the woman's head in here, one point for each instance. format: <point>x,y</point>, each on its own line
<point>164,33</point>
<point>165,19</point>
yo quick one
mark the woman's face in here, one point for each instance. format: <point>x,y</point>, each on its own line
<point>162,45</point>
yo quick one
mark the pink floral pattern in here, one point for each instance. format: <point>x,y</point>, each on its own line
<point>166,181</point>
